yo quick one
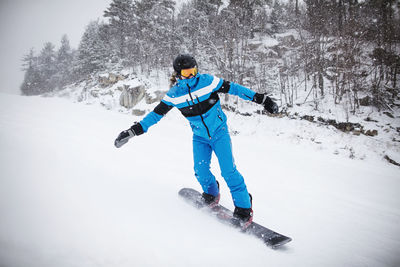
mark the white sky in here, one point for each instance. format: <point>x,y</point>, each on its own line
<point>30,23</point>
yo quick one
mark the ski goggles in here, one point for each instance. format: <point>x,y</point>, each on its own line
<point>187,72</point>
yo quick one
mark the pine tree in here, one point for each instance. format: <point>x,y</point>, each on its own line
<point>32,82</point>
<point>209,7</point>
<point>320,14</point>
<point>194,31</point>
<point>157,35</point>
<point>93,52</point>
<point>122,26</point>
<point>64,62</point>
<point>277,16</point>
<point>47,68</point>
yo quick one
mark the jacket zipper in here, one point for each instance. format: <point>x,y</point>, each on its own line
<point>201,115</point>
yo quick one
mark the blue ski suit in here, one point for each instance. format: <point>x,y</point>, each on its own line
<point>197,99</point>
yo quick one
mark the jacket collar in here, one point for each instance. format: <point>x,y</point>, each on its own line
<point>192,82</point>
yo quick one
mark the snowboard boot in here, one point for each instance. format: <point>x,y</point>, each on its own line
<point>243,217</point>
<point>210,200</point>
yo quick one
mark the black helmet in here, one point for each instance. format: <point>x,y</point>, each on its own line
<point>184,61</point>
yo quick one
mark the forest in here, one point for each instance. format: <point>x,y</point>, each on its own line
<point>343,50</point>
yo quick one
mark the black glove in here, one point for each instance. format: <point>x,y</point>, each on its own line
<point>267,102</point>
<point>124,136</point>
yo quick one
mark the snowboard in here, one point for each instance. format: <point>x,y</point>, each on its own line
<point>224,215</point>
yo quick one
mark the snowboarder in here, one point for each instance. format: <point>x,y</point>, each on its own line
<point>196,96</point>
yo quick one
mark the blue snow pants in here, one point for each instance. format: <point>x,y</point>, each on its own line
<point>222,146</point>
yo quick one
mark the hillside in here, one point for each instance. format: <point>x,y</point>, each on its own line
<point>68,197</point>
<point>369,133</point>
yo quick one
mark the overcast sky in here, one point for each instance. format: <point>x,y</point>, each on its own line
<point>30,23</point>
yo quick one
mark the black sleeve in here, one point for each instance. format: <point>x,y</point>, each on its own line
<point>162,108</point>
<point>259,98</point>
<point>224,87</point>
<point>137,128</point>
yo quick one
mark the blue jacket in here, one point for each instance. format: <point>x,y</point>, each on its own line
<point>197,99</point>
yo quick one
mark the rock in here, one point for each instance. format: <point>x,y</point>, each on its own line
<point>370,120</point>
<point>391,160</point>
<point>159,95</point>
<point>308,118</point>
<point>138,112</point>
<point>365,101</point>
<point>347,126</point>
<point>94,93</point>
<point>371,132</point>
<point>288,40</point>
<point>105,81</point>
<point>254,46</point>
<point>390,115</point>
<point>131,96</point>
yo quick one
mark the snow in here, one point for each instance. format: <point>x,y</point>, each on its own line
<point>68,197</point>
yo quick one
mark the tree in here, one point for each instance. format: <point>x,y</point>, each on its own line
<point>47,68</point>
<point>64,62</point>
<point>319,19</point>
<point>93,51</point>
<point>209,8</point>
<point>157,34</point>
<point>40,71</point>
<point>277,17</point>
<point>122,26</point>
<point>193,26</point>
<point>32,81</point>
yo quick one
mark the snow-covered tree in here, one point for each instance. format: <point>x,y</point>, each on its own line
<point>32,81</point>
<point>121,25</point>
<point>47,68</point>
<point>157,35</point>
<point>40,71</point>
<point>226,37</point>
<point>93,51</point>
<point>64,62</point>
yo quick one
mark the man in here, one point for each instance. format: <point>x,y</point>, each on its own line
<point>196,96</point>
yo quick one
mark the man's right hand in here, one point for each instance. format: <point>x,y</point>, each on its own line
<point>124,136</point>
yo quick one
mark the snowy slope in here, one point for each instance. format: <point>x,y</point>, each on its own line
<point>69,198</point>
